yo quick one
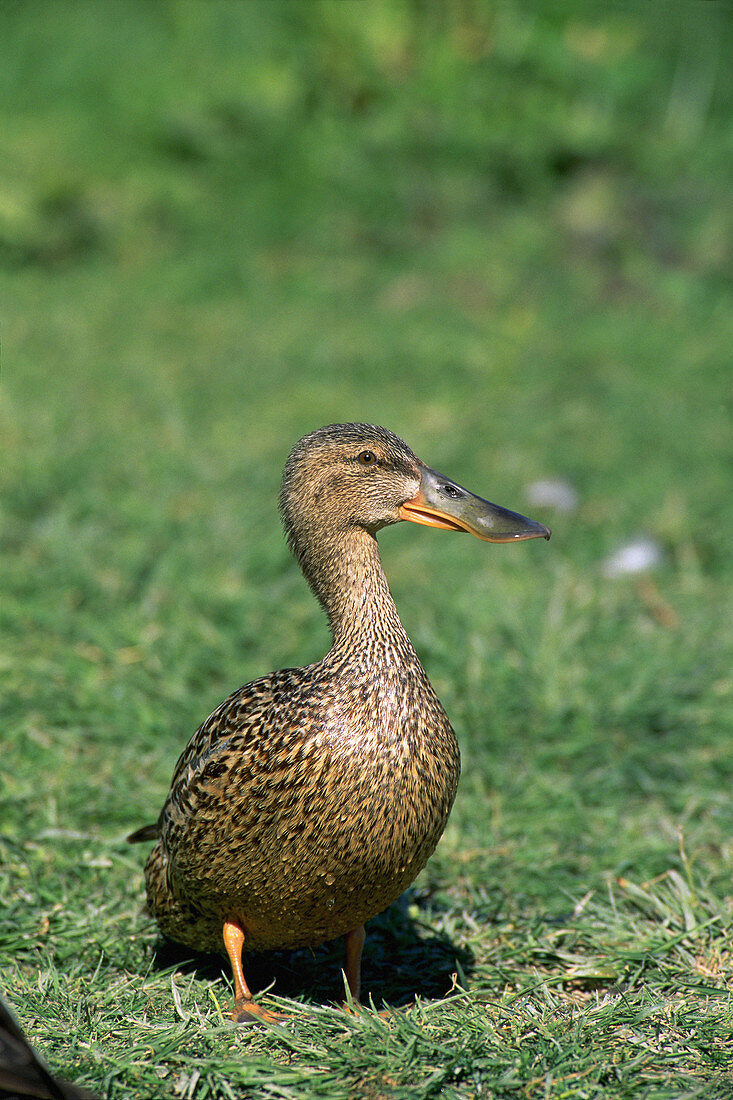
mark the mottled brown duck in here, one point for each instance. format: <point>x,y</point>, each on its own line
<point>312,797</point>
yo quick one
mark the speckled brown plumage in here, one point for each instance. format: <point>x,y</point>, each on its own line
<point>311,797</point>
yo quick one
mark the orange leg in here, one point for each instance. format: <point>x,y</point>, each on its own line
<point>354,947</point>
<point>246,1010</point>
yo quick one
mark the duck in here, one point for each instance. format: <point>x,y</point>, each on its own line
<point>312,797</point>
<point>23,1074</point>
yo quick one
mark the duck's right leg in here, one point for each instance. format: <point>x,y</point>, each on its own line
<point>354,947</point>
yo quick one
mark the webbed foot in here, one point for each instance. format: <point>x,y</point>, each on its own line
<point>247,1011</point>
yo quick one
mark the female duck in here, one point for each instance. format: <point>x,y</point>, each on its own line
<point>312,797</point>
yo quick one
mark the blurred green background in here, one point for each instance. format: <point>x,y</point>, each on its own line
<point>502,230</point>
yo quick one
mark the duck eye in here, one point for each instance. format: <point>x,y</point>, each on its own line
<point>367,458</point>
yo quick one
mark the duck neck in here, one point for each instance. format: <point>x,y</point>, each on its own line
<point>348,579</point>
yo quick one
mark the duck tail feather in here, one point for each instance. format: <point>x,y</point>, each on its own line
<point>148,832</point>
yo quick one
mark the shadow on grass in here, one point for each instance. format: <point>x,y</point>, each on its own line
<point>401,960</point>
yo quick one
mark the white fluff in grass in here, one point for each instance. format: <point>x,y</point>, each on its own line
<point>639,555</point>
<point>552,493</point>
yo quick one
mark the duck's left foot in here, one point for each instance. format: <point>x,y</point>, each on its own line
<point>247,1011</point>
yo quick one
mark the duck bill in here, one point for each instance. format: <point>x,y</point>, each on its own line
<point>441,502</point>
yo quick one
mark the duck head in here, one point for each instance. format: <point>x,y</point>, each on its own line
<point>349,476</point>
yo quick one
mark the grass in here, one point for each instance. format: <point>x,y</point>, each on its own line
<point>505,234</point>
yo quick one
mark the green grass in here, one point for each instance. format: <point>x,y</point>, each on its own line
<point>503,231</point>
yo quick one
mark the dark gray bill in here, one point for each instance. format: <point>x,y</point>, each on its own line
<point>440,502</point>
